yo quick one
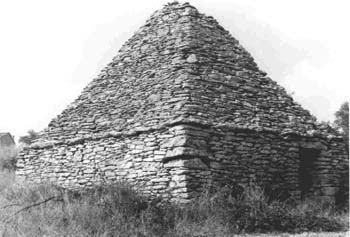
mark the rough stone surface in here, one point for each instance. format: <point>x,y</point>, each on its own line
<point>183,104</point>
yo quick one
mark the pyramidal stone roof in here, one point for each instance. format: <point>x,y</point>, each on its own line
<point>181,66</point>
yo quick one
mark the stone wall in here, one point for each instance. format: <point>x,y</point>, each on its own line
<point>178,161</point>
<point>241,156</point>
<point>137,159</point>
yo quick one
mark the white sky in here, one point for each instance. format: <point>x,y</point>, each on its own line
<point>50,50</point>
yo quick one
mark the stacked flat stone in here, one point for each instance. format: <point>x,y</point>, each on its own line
<point>183,104</point>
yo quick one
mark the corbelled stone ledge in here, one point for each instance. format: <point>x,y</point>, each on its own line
<point>193,122</point>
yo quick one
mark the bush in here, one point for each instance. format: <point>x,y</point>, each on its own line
<point>8,158</point>
<point>6,179</point>
<point>117,210</point>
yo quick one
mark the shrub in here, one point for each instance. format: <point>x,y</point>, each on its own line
<point>8,158</point>
<point>7,166</point>
<point>6,179</point>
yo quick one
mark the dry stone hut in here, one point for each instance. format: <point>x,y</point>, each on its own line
<point>183,104</point>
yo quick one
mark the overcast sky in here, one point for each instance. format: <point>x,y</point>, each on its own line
<point>50,50</point>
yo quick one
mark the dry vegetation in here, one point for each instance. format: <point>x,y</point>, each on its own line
<point>47,210</point>
<point>117,210</point>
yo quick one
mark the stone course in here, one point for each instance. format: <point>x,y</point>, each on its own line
<point>183,104</point>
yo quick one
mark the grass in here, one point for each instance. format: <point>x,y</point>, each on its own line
<point>117,210</point>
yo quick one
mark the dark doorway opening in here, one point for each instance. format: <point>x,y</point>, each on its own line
<point>306,169</point>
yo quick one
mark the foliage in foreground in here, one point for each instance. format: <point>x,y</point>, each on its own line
<point>117,210</point>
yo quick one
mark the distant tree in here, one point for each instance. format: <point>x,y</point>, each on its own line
<point>28,139</point>
<point>341,122</point>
